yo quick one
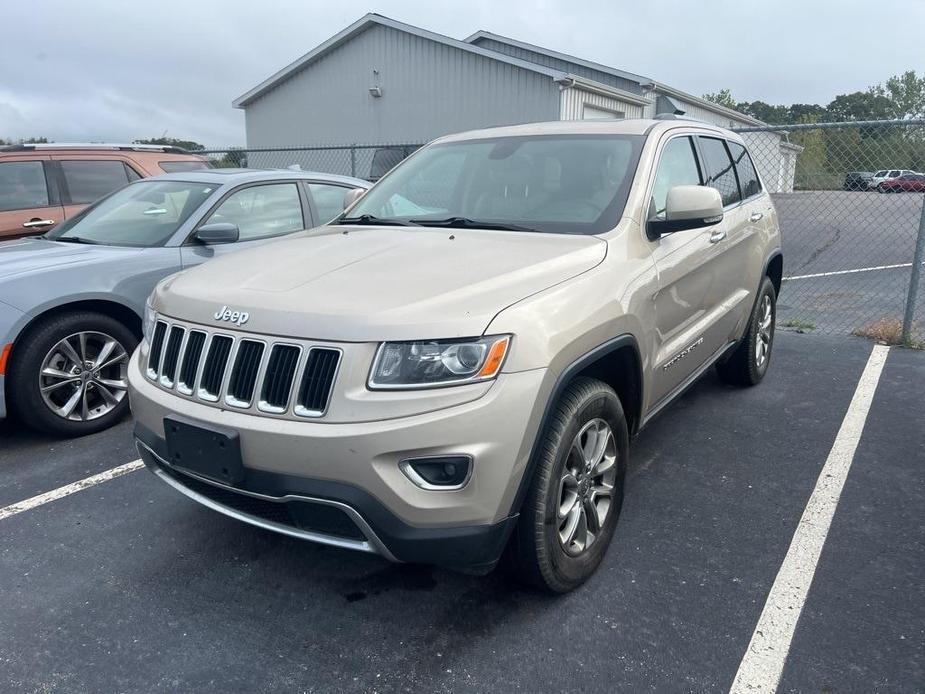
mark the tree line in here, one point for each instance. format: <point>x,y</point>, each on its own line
<point>830,153</point>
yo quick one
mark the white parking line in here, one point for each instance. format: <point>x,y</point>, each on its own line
<point>69,489</point>
<point>763,662</point>
<point>847,272</point>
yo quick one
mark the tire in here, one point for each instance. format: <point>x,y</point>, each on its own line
<point>541,551</point>
<point>882,189</point>
<point>71,392</point>
<point>749,363</point>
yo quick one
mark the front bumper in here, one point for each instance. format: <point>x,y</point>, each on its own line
<point>353,468</point>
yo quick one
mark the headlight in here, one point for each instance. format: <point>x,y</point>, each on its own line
<point>434,363</point>
<point>147,327</point>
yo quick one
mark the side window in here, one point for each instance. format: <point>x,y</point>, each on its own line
<point>262,211</point>
<point>131,173</point>
<point>748,177</point>
<point>677,166</point>
<point>720,172</point>
<point>893,174</point>
<point>182,165</point>
<point>88,181</point>
<point>328,200</point>
<point>22,185</point>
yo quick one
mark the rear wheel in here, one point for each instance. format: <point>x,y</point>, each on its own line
<point>68,375</point>
<point>574,500</point>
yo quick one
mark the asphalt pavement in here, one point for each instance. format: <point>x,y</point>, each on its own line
<point>127,586</point>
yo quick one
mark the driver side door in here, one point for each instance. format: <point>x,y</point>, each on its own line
<point>261,212</point>
<point>689,315</point>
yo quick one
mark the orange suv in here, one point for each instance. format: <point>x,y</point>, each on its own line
<point>41,185</point>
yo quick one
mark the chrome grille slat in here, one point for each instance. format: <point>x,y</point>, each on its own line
<point>189,362</point>
<point>278,378</point>
<point>212,381</point>
<point>242,379</point>
<point>248,372</point>
<point>157,349</point>
<point>171,358</point>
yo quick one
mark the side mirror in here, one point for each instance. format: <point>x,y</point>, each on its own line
<point>688,207</point>
<point>351,196</point>
<point>219,232</point>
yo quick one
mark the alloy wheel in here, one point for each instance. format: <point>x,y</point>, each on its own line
<point>83,376</point>
<point>587,487</point>
<point>765,327</point>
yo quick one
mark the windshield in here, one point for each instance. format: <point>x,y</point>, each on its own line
<point>146,213</point>
<point>574,184</point>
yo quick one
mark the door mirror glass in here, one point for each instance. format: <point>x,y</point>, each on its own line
<point>688,207</point>
<point>218,232</point>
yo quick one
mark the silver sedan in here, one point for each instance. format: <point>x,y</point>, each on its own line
<point>72,302</point>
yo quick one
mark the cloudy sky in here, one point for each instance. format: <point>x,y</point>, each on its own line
<point>92,70</point>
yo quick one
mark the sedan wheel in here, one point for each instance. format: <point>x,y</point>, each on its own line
<point>83,377</point>
<point>67,374</point>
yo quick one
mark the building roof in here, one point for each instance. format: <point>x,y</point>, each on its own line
<point>470,45</point>
<point>362,25</point>
<point>591,65</point>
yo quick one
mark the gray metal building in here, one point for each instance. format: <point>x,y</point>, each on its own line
<point>380,81</point>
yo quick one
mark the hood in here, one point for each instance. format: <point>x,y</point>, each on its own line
<point>30,255</point>
<point>366,284</point>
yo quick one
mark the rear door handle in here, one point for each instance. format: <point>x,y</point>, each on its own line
<point>38,223</point>
<point>756,216</point>
<point>717,236</point>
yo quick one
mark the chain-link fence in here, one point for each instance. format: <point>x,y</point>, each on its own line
<point>369,162</point>
<point>851,212</point>
<point>850,201</point>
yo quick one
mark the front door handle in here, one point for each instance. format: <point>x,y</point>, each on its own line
<point>717,236</point>
<point>756,216</point>
<point>38,223</point>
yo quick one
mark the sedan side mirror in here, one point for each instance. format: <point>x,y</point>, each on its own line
<point>219,232</point>
<point>351,196</point>
<point>687,207</point>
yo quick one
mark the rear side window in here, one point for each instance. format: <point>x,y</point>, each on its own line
<point>88,181</point>
<point>893,174</point>
<point>188,165</point>
<point>748,177</point>
<point>677,166</point>
<point>22,185</point>
<point>720,172</point>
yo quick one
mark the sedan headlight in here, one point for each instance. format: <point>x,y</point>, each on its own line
<point>150,320</point>
<point>435,363</point>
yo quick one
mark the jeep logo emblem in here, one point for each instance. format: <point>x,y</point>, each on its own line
<point>239,318</point>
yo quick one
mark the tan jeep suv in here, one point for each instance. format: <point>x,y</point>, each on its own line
<point>453,368</point>
<point>41,185</point>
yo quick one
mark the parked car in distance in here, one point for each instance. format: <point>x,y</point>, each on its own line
<point>72,301</point>
<point>857,180</point>
<point>41,185</point>
<point>886,174</point>
<point>455,365</point>
<point>907,183</point>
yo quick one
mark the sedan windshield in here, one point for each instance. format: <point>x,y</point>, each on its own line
<point>145,214</point>
<point>574,184</point>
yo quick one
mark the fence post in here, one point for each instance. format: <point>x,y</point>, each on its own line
<point>353,161</point>
<point>914,278</point>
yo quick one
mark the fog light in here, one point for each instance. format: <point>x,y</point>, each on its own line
<point>444,473</point>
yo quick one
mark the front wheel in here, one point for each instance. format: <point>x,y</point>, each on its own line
<point>749,363</point>
<point>574,500</point>
<point>882,189</point>
<point>68,374</point>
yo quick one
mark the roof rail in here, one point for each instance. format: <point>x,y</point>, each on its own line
<point>675,116</point>
<point>39,146</point>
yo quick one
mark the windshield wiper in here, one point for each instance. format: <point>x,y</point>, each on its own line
<point>373,220</point>
<point>75,239</point>
<point>467,223</point>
